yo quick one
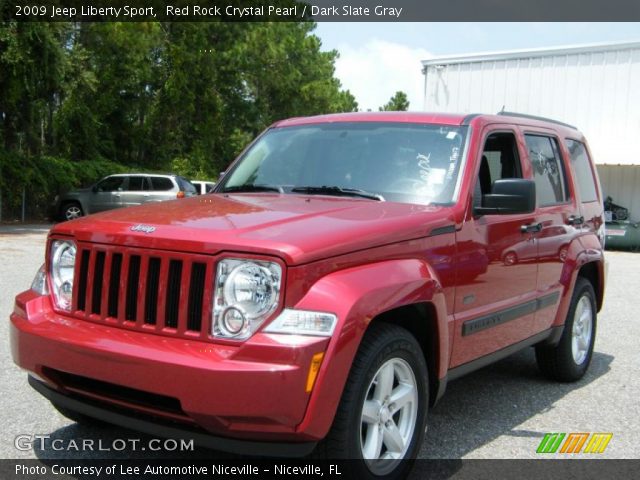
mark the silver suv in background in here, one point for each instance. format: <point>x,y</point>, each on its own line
<point>122,190</point>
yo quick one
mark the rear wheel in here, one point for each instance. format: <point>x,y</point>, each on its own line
<point>382,415</point>
<point>71,211</point>
<point>569,359</point>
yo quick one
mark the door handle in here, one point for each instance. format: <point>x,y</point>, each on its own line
<point>575,220</point>
<point>531,228</point>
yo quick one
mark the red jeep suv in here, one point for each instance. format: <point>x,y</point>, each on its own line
<point>345,268</point>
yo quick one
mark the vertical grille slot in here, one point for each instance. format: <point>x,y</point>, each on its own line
<point>114,284</point>
<point>82,281</point>
<point>151,300</point>
<point>98,280</point>
<point>196,294</point>
<point>173,294</point>
<point>132,288</point>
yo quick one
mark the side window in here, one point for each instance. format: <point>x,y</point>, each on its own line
<point>111,184</point>
<point>582,171</point>
<point>137,184</point>
<point>185,185</point>
<point>161,183</point>
<point>499,160</point>
<point>548,171</point>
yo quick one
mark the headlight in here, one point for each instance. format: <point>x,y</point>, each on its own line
<point>303,322</point>
<point>39,283</point>
<point>246,293</point>
<point>63,261</point>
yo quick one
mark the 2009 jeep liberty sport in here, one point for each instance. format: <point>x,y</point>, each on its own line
<point>343,270</point>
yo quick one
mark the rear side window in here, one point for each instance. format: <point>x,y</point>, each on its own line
<point>185,185</point>
<point>137,184</point>
<point>582,170</point>
<point>548,171</point>
<point>161,183</point>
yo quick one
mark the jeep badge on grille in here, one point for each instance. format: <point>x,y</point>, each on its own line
<point>143,228</point>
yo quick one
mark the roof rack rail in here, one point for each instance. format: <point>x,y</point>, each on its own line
<point>534,117</point>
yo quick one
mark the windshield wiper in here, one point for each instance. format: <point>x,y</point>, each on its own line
<point>338,191</point>
<point>253,188</point>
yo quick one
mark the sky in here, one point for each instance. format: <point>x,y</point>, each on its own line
<point>378,59</point>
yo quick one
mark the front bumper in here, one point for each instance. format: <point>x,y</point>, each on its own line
<point>94,410</point>
<point>254,391</point>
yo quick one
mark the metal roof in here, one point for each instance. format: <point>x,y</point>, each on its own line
<point>394,117</point>
<point>451,119</point>
<point>530,53</point>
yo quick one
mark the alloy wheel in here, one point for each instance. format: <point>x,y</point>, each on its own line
<point>388,416</point>
<point>582,330</point>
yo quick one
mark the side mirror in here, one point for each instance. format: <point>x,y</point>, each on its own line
<point>509,196</point>
<point>94,189</point>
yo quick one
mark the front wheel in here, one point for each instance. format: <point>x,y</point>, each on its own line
<point>382,414</point>
<point>569,359</point>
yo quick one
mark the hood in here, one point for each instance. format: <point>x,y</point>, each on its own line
<point>296,228</point>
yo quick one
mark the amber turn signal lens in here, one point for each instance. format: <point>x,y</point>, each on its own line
<point>180,195</point>
<point>314,368</point>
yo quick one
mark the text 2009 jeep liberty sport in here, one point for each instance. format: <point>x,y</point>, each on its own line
<point>343,270</point>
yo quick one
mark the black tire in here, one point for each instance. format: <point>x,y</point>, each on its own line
<point>383,346</point>
<point>78,417</point>
<point>559,362</point>
<point>71,211</point>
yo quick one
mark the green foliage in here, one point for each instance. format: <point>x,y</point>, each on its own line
<point>397,103</point>
<point>108,90</point>
<point>31,66</point>
<point>43,177</point>
<point>80,100</point>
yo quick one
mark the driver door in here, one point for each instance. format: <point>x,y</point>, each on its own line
<point>106,194</point>
<point>495,304</point>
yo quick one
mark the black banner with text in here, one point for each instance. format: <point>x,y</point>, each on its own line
<point>321,10</point>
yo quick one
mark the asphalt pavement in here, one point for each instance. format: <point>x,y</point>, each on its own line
<point>501,411</point>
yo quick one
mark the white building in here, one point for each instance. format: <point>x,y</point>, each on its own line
<point>594,87</point>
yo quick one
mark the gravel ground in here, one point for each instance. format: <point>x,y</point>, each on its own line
<point>501,411</point>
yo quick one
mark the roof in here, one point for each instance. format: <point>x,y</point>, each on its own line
<point>144,173</point>
<point>530,53</point>
<point>452,119</point>
<point>396,117</point>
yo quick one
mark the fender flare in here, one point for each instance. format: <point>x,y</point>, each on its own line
<point>364,292</point>
<point>582,251</point>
